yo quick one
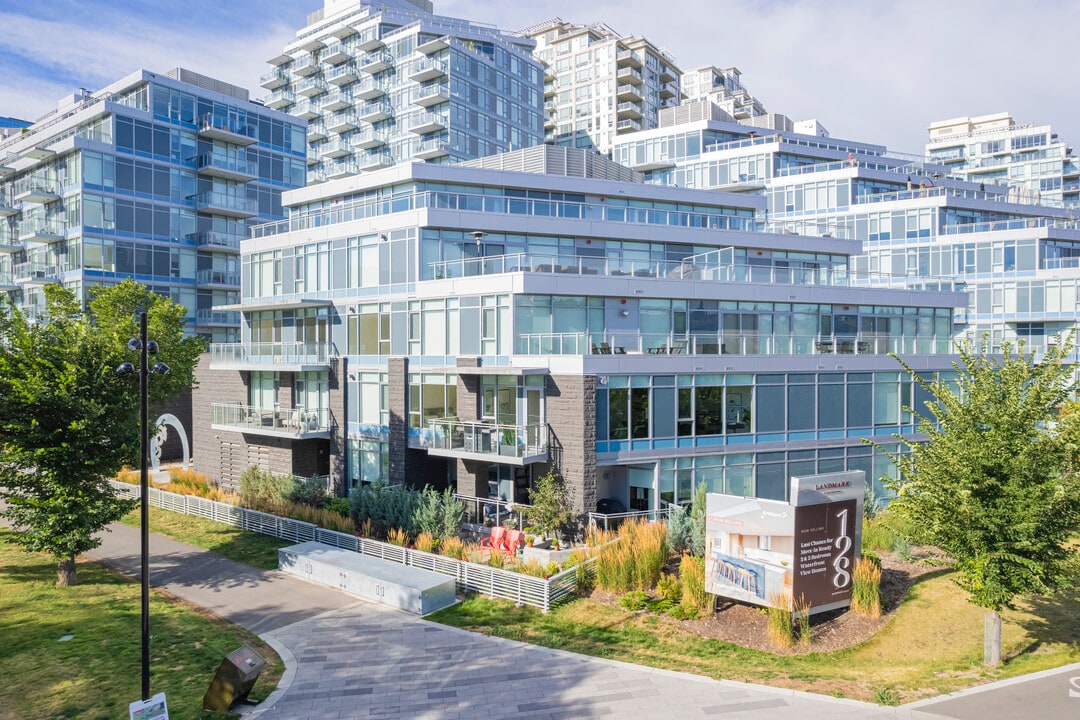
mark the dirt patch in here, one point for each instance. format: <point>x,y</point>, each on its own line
<point>746,625</point>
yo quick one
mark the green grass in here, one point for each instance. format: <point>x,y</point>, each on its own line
<point>933,645</point>
<point>97,673</point>
<point>243,546</point>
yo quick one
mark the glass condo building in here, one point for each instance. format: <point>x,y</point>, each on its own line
<point>389,82</point>
<point>156,177</point>
<point>474,324</point>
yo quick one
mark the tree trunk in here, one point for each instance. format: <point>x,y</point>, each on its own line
<point>65,572</point>
<point>992,639</point>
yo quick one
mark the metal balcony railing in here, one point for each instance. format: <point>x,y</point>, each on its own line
<point>520,442</point>
<point>280,421</point>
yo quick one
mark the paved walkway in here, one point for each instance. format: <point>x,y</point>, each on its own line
<point>346,658</point>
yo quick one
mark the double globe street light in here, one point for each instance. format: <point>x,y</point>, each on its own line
<point>145,348</point>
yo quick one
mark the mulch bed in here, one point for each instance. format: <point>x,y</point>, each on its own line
<point>746,625</point>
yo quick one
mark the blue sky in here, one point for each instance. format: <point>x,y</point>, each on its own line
<point>874,70</point>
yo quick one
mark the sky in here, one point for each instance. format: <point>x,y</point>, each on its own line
<point>876,70</point>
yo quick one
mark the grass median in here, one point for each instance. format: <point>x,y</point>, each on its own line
<point>933,644</point>
<point>96,673</point>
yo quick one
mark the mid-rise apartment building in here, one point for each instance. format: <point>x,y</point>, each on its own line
<point>1029,159</point>
<point>475,324</point>
<point>600,84</point>
<point>919,222</point>
<point>155,177</point>
<point>722,87</point>
<point>389,82</point>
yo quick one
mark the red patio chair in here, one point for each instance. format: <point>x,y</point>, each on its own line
<point>496,541</point>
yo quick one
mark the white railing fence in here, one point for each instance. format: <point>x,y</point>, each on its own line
<point>522,589</point>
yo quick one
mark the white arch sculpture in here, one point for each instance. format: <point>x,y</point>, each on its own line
<point>159,437</point>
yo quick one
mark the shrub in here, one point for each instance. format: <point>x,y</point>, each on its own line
<point>633,563</point>
<point>425,542</point>
<point>397,536</point>
<point>306,491</point>
<point>583,579</point>
<point>549,507</point>
<point>902,548</point>
<point>365,528</point>
<point>697,521</point>
<point>552,568</point>
<point>781,627</point>
<point>669,588</point>
<point>259,487</point>
<point>339,505</point>
<point>496,559</point>
<point>387,507</point>
<point>801,611</point>
<point>634,600</point>
<point>692,577</point>
<point>305,513</point>
<point>427,515</point>
<point>453,514</point>
<point>452,547</point>
<point>129,476</point>
<point>683,612</point>
<point>678,527</point>
<point>877,535</point>
<point>532,567</point>
<point>866,587</point>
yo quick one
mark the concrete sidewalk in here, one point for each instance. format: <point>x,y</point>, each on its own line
<point>347,658</point>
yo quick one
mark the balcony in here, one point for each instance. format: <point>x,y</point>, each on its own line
<point>504,444</point>
<point>369,89</point>
<point>228,167</point>
<point>295,423</point>
<point>629,75</point>
<point>549,90</point>
<point>429,95</point>
<point>227,129</point>
<point>217,241</point>
<point>427,122</point>
<point>340,168</point>
<point>628,58</point>
<point>7,281</point>
<point>307,109</point>
<point>629,93</point>
<point>305,67</point>
<point>428,70</point>
<point>8,242</point>
<point>375,161</point>
<point>431,149</point>
<point>39,153</point>
<point>342,122</point>
<point>337,148</point>
<point>367,139</point>
<point>625,126</point>
<point>336,53</point>
<point>667,74</point>
<point>311,44</point>
<point>36,191</point>
<point>337,100</point>
<point>5,165</point>
<point>374,112</point>
<point>434,45</point>
<point>312,87</point>
<point>369,42</point>
<point>668,90</point>
<point>316,132</point>
<point>40,232</point>
<point>286,357</point>
<point>219,203</point>
<point>225,279</point>
<point>35,273</point>
<point>280,99</point>
<point>629,110</point>
<point>8,207</point>
<point>376,62</point>
<point>208,317</point>
<point>342,75</point>
<point>274,79</point>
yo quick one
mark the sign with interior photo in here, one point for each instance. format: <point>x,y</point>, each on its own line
<point>763,551</point>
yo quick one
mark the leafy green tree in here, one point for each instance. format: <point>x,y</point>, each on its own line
<point>994,485</point>
<point>68,422</point>
<point>550,508</point>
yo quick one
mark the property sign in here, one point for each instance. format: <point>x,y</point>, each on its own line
<point>152,709</point>
<point>762,551</point>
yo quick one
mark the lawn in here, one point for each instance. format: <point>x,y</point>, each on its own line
<point>97,672</point>
<point>933,644</point>
<point>260,551</point>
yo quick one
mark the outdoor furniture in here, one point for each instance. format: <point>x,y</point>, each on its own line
<point>514,540</point>
<point>495,541</point>
<point>677,347</point>
<point>605,348</point>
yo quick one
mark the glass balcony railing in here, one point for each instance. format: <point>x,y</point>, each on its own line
<point>527,443</point>
<point>209,316</point>
<point>269,355</point>
<point>631,343</point>
<point>212,240</point>
<point>228,166</point>
<point>225,204</point>
<point>281,421</point>
<point>218,277</point>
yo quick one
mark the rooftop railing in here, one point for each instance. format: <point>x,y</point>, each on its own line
<point>507,205</point>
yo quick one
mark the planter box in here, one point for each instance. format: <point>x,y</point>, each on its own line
<point>545,555</point>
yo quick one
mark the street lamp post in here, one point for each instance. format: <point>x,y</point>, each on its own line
<point>145,348</point>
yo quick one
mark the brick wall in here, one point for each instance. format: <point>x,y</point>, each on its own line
<point>571,416</point>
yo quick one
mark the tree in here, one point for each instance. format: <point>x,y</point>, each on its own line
<point>68,422</point>
<point>994,486</point>
<point>550,508</point>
